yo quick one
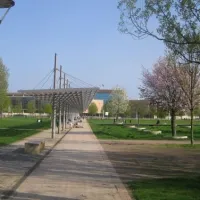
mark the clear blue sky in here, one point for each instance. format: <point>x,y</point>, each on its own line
<point>85,36</point>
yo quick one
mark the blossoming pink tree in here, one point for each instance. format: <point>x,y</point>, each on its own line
<point>161,87</point>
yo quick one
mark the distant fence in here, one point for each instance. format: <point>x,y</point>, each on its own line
<point>24,114</point>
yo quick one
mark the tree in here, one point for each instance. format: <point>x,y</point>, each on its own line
<point>181,113</point>
<point>162,113</point>
<point>17,107</point>
<point>3,85</point>
<point>128,112</point>
<point>152,110</point>
<point>39,106</point>
<point>48,108</point>
<point>162,89</point>
<point>139,108</point>
<point>31,106</point>
<point>156,109</point>
<point>7,104</point>
<point>177,24</point>
<point>197,111</point>
<point>92,110</point>
<point>188,77</point>
<point>118,102</point>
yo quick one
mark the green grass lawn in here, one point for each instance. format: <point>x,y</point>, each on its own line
<point>180,130</point>
<point>23,123</point>
<point>145,121</point>
<point>167,189</point>
<point>14,124</point>
<point>116,131</point>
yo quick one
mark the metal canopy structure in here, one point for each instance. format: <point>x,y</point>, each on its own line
<point>77,99</point>
<point>70,102</point>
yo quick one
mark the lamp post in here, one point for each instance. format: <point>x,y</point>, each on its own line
<point>6,4</point>
<point>102,85</point>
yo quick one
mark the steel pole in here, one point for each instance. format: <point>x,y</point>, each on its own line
<point>54,101</point>
<point>60,113</point>
<point>64,111</point>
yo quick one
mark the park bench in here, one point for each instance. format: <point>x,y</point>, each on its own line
<point>34,147</point>
<point>156,132</point>
<point>180,137</point>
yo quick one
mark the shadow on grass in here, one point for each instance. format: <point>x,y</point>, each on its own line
<point>167,189</point>
<point>138,165</point>
<point>157,173</point>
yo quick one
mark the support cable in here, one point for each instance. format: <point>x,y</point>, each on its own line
<point>43,79</point>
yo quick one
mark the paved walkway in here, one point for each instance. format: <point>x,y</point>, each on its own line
<point>76,169</point>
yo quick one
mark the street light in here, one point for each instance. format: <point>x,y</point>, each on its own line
<point>6,4</point>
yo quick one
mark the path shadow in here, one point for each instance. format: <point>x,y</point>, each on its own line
<point>16,153</point>
<point>28,196</point>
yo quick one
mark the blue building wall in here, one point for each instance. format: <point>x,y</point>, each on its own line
<point>102,96</point>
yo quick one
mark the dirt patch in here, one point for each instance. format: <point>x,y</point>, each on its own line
<point>134,161</point>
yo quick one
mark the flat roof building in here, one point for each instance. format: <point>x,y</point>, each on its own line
<point>103,95</point>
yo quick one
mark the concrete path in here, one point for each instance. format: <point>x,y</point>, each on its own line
<point>76,169</point>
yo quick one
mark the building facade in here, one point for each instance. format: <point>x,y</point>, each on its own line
<point>103,95</point>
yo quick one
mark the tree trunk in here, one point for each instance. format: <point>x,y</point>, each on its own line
<point>173,123</point>
<point>117,114</point>
<point>191,124</point>
<point>138,115</point>
<point>117,117</point>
